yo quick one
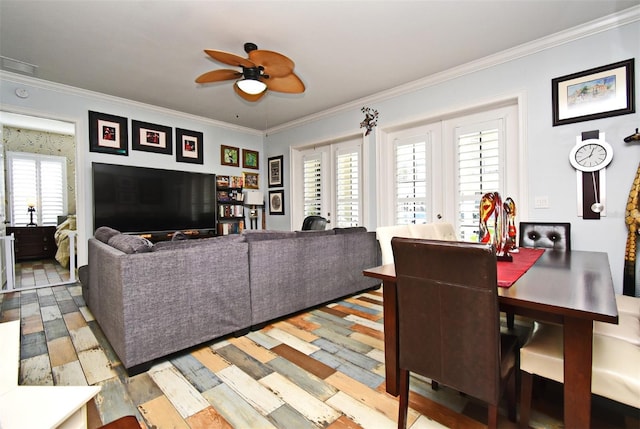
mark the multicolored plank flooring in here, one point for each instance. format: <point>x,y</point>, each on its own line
<point>319,369</point>
<point>40,273</point>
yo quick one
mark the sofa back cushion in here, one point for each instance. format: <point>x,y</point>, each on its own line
<point>265,234</point>
<point>104,233</point>
<point>130,243</point>
<point>350,230</point>
<point>197,242</point>
<point>315,233</point>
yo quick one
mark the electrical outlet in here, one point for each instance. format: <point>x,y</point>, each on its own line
<point>541,202</point>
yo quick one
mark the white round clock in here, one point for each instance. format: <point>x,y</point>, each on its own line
<point>591,155</point>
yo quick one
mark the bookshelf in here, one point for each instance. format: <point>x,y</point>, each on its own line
<point>230,208</point>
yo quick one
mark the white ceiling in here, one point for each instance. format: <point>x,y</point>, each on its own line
<point>151,51</point>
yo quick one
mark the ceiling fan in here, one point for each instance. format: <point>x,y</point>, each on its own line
<point>262,71</point>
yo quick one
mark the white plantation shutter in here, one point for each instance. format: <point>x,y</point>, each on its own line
<point>312,185</point>
<point>348,187</point>
<point>411,181</point>
<point>38,178</point>
<point>479,172</point>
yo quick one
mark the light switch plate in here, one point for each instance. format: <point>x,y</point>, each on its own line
<point>541,202</point>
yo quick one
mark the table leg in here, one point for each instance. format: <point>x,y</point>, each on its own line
<point>390,307</point>
<point>578,355</point>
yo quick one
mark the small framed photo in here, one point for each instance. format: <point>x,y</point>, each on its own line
<point>108,134</point>
<point>151,137</point>
<point>229,155</point>
<point>251,180</point>
<point>276,202</point>
<point>596,93</point>
<point>250,159</point>
<point>275,171</point>
<point>189,146</point>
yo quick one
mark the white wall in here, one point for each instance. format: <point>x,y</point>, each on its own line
<point>547,147</point>
<point>71,104</point>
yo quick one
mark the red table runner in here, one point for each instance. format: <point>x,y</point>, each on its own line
<point>509,272</point>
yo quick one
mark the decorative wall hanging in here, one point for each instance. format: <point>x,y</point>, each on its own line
<point>370,119</point>
<point>189,146</point>
<point>276,202</point>
<point>151,137</point>
<point>229,155</point>
<point>251,180</point>
<point>632,220</point>
<point>250,159</point>
<point>108,134</point>
<point>593,94</point>
<point>275,171</point>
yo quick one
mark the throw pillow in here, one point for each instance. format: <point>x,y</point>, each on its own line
<point>130,243</point>
<point>104,233</point>
<point>350,230</point>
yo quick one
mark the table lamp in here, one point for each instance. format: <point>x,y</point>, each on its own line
<point>253,199</point>
<point>31,209</point>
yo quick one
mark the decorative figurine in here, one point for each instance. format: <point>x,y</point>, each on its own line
<point>510,211</point>
<point>491,204</point>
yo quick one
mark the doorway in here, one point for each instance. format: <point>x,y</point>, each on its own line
<point>36,138</point>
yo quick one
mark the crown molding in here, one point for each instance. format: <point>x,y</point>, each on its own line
<point>67,89</point>
<point>606,23</point>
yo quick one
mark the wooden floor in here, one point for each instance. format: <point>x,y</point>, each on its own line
<point>320,369</point>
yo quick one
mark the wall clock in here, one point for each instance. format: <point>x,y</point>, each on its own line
<point>590,156</point>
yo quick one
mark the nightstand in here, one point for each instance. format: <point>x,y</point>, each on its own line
<point>33,242</point>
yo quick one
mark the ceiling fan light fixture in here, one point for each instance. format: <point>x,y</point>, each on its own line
<point>251,86</point>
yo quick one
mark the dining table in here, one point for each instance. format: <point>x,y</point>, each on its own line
<point>571,288</point>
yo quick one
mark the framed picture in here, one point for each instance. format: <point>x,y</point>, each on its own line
<point>251,180</point>
<point>275,171</point>
<point>229,155</point>
<point>151,137</point>
<point>108,134</point>
<point>250,159</point>
<point>189,146</point>
<point>593,94</point>
<point>276,202</point>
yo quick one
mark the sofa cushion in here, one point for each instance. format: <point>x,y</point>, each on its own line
<point>266,234</point>
<point>104,233</point>
<point>315,233</point>
<point>350,230</point>
<point>190,243</point>
<point>130,243</point>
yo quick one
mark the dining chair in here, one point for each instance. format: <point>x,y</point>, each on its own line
<point>314,223</point>
<point>448,322</point>
<point>549,235</point>
<point>615,373</point>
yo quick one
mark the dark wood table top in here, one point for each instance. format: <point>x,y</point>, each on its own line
<point>576,284</point>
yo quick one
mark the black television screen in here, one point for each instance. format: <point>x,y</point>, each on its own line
<point>139,199</point>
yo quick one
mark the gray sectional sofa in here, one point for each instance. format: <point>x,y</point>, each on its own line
<point>152,300</point>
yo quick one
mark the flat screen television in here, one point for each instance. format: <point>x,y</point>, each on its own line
<point>138,199</point>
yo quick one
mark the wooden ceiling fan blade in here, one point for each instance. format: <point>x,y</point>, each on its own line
<point>218,76</point>
<point>229,58</point>
<point>274,63</point>
<point>290,84</point>
<point>248,97</point>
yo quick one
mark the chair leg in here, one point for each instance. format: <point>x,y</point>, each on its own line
<point>492,422</point>
<point>512,398</point>
<point>526,382</point>
<point>511,320</point>
<point>404,398</point>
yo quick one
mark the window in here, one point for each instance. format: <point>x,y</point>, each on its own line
<point>40,180</point>
<point>312,185</point>
<point>411,182</point>
<point>478,157</point>
<point>347,187</point>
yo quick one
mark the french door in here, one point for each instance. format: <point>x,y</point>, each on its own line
<point>329,183</point>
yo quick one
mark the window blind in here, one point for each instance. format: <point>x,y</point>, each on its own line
<point>411,182</point>
<point>347,188</point>
<point>312,186</point>
<point>39,179</point>
<point>478,173</point>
